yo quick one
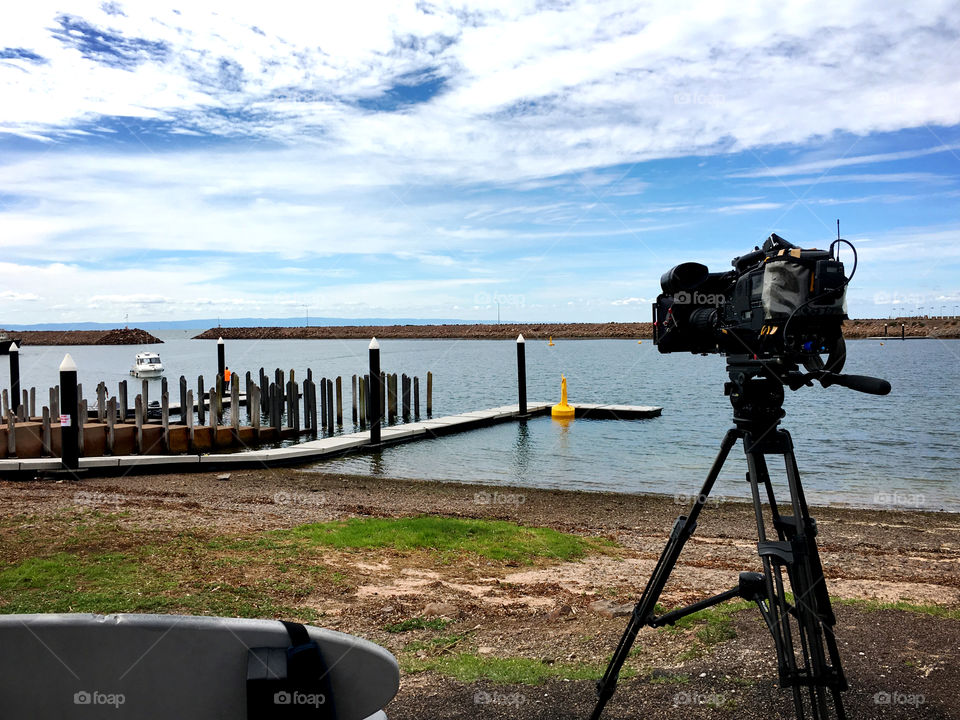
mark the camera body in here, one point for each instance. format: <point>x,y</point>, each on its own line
<point>779,303</point>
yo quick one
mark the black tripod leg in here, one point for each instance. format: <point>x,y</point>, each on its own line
<point>644,609</point>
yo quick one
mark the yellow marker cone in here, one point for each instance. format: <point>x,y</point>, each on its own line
<point>563,411</point>
<point>551,342</point>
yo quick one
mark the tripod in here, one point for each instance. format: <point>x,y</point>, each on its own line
<point>802,626</point>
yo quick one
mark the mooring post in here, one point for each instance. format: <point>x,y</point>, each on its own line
<point>24,406</point>
<point>165,419</point>
<point>70,420</point>
<point>429,394</point>
<point>903,331</point>
<point>55,401</point>
<point>122,392</point>
<point>278,381</point>
<point>353,396</point>
<point>323,405</point>
<point>14,373</point>
<point>416,398</point>
<point>111,422</point>
<point>221,357</point>
<point>373,399</point>
<point>235,403</point>
<point>362,401</point>
<point>145,392</point>
<point>6,403</point>
<point>185,408</point>
<point>216,402</point>
<point>47,436</point>
<point>392,398</point>
<point>405,399</point>
<point>201,414</point>
<point>330,400</point>
<point>11,435</point>
<point>247,382</point>
<point>33,402</point>
<point>339,401</point>
<point>254,401</point>
<point>138,421</point>
<point>521,374</point>
<point>101,402</point>
<point>80,424</point>
<point>383,396</point>
<point>189,419</point>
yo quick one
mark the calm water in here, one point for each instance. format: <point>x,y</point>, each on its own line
<point>899,450</point>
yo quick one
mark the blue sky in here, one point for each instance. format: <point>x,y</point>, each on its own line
<point>427,160</point>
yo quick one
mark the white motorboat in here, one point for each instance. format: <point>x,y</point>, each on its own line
<point>147,365</point>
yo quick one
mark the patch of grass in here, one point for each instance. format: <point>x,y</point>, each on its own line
<point>711,627</point>
<point>662,678</point>
<point>938,611</point>
<point>492,539</point>
<point>468,668</point>
<point>418,623</point>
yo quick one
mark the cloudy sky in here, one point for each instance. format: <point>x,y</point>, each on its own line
<point>404,159</point>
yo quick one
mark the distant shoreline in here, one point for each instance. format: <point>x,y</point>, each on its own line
<point>852,329</point>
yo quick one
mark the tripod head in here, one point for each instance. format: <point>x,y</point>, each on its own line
<point>756,387</point>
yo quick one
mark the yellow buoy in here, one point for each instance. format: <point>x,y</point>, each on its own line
<point>563,411</point>
<point>551,342</point>
<point>639,342</point>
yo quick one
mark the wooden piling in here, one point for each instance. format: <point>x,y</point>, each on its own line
<point>33,402</point>
<point>235,402</point>
<point>294,407</point>
<point>47,435</point>
<point>111,421</point>
<point>11,435</point>
<point>55,402</point>
<point>201,413</point>
<point>429,394</point>
<point>247,385</point>
<point>383,395</point>
<point>145,394</point>
<point>122,395</point>
<point>25,406</point>
<point>416,398</point>
<point>138,419</point>
<point>330,404</point>
<point>339,402</point>
<point>277,397</point>
<point>84,416</point>
<point>6,403</point>
<point>323,405</point>
<point>405,404</point>
<point>185,407</point>
<point>101,402</point>
<point>362,401</point>
<point>216,402</point>
<point>189,419</point>
<point>353,396</point>
<point>165,419</point>
<point>278,381</point>
<point>254,402</point>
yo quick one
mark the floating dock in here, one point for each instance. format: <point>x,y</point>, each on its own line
<point>320,449</point>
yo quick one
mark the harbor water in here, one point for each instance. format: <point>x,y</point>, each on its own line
<point>895,451</point>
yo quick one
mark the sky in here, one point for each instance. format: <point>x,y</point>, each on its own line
<point>541,160</point>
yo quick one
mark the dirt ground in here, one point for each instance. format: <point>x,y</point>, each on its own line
<point>899,663</point>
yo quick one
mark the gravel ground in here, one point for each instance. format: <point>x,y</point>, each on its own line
<point>542,611</point>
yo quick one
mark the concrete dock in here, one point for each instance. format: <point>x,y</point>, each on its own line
<point>320,449</point>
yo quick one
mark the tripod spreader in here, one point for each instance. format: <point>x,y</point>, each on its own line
<point>752,587</point>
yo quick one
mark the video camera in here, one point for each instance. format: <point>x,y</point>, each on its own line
<point>780,307</point>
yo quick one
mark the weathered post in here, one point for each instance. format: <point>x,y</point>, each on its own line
<point>47,436</point>
<point>165,419</point>
<point>189,419</point>
<point>111,422</point>
<point>362,401</point>
<point>11,435</point>
<point>14,373</point>
<point>429,393</point>
<point>235,404</point>
<point>122,392</point>
<point>216,402</point>
<point>33,403</point>
<point>201,414</point>
<point>339,402</point>
<point>138,420</point>
<point>324,421</point>
<point>145,392</point>
<point>353,396</point>
<point>70,421</point>
<point>6,403</point>
<point>392,398</point>
<point>24,406</point>
<point>903,331</point>
<point>383,396</point>
<point>101,402</point>
<point>521,374</point>
<point>55,402</point>
<point>416,398</point>
<point>373,399</point>
<point>254,401</point>
<point>185,407</point>
<point>405,404</point>
<point>221,357</point>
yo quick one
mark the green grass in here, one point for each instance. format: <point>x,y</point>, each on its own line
<point>468,668</point>
<point>418,623</point>
<point>877,605</point>
<point>491,539</point>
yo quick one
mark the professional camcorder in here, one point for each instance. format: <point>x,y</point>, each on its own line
<point>780,307</point>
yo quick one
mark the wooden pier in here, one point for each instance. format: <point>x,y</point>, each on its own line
<point>320,449</point>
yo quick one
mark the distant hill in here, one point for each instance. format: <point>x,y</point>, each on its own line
<point>204,323</point>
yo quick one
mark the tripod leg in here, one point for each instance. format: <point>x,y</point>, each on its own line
<point>644,610</point>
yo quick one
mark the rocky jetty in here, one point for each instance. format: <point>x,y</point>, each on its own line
<point>118,336</point>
